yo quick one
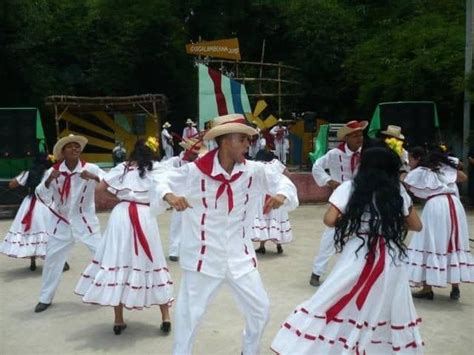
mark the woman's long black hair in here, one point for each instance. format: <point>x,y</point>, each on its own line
<point>376,195</point>
<point>432,158</point>
<point>142,156</point>
<point>36,172</point>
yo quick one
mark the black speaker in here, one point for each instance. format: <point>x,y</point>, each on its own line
<point>417,120</point>
<point>18,133</point>
<point>309,119</point>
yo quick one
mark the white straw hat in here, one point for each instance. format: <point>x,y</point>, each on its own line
<point>58,147</point>
<point>233,123</point>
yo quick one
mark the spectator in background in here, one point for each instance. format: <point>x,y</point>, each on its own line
<point>118,153</point>
<point>167,141</point>
<point>190,130</point>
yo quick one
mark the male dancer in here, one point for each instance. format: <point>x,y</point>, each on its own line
<point>68,190</point>
<point>219,198</point>
<point>280,134</point>
<point>342,163</point>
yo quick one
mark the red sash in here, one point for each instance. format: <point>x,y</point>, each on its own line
<point>27,218</point>
<point>138,234</point>
<point>362,287</point>
<point>453,243</point>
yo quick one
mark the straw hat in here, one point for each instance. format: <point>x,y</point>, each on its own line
<point>193,144</point>
<point>190,121</point>
<point>166,125</point>
<point>351,127</point>
<point>394,131</point>
<point>58,147</point>
<point>233,123</point>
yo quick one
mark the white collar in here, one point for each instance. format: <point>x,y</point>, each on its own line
<point>77,168</point>
<point>218,169</point>
<point>350,152</point>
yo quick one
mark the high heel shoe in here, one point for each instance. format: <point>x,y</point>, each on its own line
<point>423,294</point>
<point>118,328</point>
<point>33,265</point>
<point>260,250</point>
<point>455,293</point>
<point>279,249</point>
<point>165,327</point>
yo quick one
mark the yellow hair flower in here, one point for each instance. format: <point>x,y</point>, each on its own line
<point>443,148</point>
<point>395,145</point>
<point>152,143</point>
<point>51,158</point>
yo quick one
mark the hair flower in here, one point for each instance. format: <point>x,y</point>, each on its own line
<point>395,145</point>
<point>152,143</point>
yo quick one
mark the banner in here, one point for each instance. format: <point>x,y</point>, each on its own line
<point>224,48</point>
<point>219,95</point>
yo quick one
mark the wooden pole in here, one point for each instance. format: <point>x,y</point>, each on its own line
<point>56,120</point>
<point>261,67</point>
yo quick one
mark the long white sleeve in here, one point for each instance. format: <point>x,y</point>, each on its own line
<point>319,170</point>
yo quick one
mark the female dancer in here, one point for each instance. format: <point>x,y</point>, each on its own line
<point>439,254</point>
<point>365,305</point>
<point>129,269</point>
<point>28,236</point>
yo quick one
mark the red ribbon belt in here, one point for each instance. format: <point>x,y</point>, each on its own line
<point>369,275</point>
<point>138,235</point>
<point>27,218</point>
<point>453,243</point>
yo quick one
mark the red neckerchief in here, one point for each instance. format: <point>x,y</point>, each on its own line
<point>367,279</point>
<point>66,189</point>
<point>205,164</point>
<point>27,218</point>
<point>355,158</point>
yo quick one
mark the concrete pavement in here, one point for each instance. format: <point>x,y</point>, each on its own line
<point>71,327</point>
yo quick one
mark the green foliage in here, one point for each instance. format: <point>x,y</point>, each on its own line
<point>352,53</point>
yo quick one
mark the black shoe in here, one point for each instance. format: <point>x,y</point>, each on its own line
<point>33,265</point>
<point>165,327</point>
<point>118,328</point>
<point>260,250</point>
<point>66,267</point>
<point>279,249</point>
<point>314,280</point>
<point>40,307</point>
<point>455,293</point>
<point>174,258</point>
<point>423,294</point>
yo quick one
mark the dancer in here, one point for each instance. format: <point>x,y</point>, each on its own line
<point>129,269</point>
<point>273,225</point>
<point>342,163</point>
<point>222,188</point>
<point>68,190</point>
<point>190,130</point>
<point>28,234</point>
<point>365,305</point>
<point>439,254</point>
<point>167,141</point>
<point>280,134</point>
<point>393,136</point>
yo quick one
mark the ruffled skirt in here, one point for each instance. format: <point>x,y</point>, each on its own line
<point>386,322</point>
<point>274,226</point>
<point>430,259</point>
<point>20,244</point>
<point>121,272</point>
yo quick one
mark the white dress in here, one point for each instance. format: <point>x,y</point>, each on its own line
<point>439,254</point>
<point>129,267</point>
<point>275,225</point>
<point>24,242</point>
<point>385,322</point>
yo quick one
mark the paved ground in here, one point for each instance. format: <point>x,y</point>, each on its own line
<point>71,327</point>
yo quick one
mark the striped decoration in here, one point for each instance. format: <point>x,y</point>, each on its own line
<point>219,95</point>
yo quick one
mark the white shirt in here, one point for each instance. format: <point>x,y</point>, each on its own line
<point>79,207</point>
<point>189,132</point>
<point>280,133</point>
<point>338,162</point>
<point>166,138</point>
<point>217,241</point>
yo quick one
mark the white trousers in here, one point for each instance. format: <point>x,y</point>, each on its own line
<point>169,152</point>
<point>195,293</point>
<point>56,254</point>
<point>280,152</point>
<point>326,250</point>
<point>175,233</point>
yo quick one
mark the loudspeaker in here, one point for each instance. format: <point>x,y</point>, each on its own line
<point>417,120</point>
<point>18,133</point>
<point>309,122</point>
